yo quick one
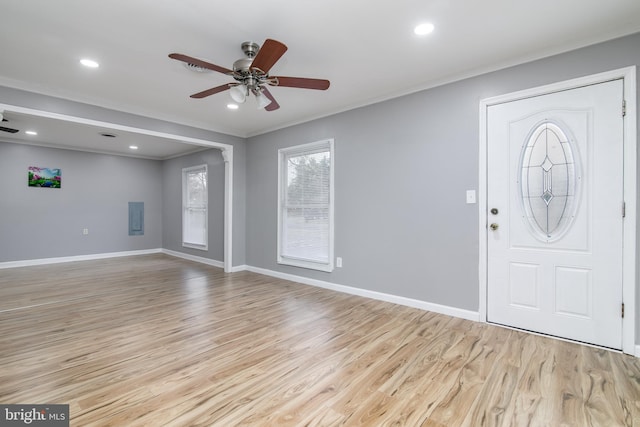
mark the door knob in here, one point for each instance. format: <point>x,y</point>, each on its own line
<point>494,226</point>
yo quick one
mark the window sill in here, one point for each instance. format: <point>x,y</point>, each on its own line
<point>193,246</point>
<point>306,264</point>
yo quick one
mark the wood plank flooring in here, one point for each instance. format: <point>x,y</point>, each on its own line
<point>159,341</point>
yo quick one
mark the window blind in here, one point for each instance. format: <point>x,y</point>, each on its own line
<point>195,207</point>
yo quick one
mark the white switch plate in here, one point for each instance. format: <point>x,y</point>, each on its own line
<point>339,262</point>
<point>471,196</point>
<point>85,231</point>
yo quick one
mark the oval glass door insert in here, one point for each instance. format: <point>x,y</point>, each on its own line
<point>549,181</point>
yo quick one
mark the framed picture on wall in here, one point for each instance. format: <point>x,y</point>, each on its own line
<point>45,177</point>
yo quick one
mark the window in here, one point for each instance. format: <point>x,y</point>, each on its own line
<point>305,208</point>
<point>549,181</point>
<point>194,207</point>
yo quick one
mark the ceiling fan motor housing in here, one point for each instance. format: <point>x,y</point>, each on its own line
<point>250,49</point>
<point>243,73</point>
<point>242,65</point>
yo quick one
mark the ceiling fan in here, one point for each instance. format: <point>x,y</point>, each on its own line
<point>251,74</point>
<point>3,128</point>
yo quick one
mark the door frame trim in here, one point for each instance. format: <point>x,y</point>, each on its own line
<point>629,267</point>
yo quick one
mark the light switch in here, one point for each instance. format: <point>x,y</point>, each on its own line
<point>471,196</point>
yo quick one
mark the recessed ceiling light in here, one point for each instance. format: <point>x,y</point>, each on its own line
<point>424,29</point>
<point>133,147</point>
<point>89,63</point>
<point>232,106</point>
<point>31,132</point>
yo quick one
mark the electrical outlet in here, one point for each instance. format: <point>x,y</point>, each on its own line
<point>339,262</point>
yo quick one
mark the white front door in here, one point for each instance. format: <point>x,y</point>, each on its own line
<point>554,200</point>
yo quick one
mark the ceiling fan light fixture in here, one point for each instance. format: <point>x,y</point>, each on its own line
<point>238,93</point>
<point>263,101</point>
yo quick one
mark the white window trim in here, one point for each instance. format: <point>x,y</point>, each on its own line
<point>185,171</point>
<point>306,148</point>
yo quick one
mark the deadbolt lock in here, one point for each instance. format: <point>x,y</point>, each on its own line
<point>494,211</point>
<point>494,226</point>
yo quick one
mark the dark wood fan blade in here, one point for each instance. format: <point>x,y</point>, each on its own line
<point>269,53</point>
<point>303,83</point>
<point>199,63</point>
<point>211,91</point>
<point>10,130</point>
<point>274,104</point>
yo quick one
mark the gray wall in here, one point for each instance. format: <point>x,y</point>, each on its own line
<point>172,203</point>
<point>402,168</point>
<point>96,188</point>
<point>401,172</point>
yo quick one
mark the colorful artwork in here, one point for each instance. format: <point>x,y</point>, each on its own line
<point>44,177</point>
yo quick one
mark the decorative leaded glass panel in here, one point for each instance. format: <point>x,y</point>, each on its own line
<point>549,181</point>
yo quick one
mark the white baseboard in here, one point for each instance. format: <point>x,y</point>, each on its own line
<point>238,268</point>
<point>409,302</point>
<point>202,260</point>
<point>56,260</point>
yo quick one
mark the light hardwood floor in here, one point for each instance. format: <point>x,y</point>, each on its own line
<point>158,341</point>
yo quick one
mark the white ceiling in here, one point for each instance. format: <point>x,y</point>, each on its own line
<point>366,49</point>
